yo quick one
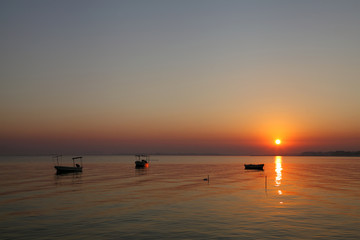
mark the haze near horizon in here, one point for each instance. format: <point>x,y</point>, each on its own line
<point>180,77</point>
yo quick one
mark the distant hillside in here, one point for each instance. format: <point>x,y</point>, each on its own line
<point>335,153</point>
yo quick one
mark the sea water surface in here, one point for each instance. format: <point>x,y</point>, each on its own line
<point>293,198</point>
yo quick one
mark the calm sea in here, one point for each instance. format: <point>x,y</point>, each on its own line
<point>293,198</point>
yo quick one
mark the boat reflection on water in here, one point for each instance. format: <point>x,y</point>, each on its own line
<point>68,178</point>
<point>141,171</point>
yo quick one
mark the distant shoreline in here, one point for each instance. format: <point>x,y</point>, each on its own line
<point>333,153</point>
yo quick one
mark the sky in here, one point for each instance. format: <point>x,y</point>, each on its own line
<point>179,77</point>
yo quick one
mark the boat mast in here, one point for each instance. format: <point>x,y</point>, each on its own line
<point>57,159</point>
<point>77,158</point>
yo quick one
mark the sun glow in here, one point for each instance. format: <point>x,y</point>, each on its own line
<point>277,141</point>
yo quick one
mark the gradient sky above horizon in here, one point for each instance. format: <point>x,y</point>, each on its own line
<point>225,77</point>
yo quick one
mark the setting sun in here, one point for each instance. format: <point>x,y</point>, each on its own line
<point>277,141</point>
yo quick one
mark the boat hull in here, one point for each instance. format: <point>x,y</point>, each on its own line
<point>141,164</point>
<point>254,166</point>
<point>65,169</point>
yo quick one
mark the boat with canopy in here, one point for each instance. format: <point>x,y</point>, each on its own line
<point>76,167</point>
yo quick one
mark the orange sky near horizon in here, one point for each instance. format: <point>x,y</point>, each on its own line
<point>228,137</point>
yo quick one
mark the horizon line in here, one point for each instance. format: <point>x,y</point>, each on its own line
<point>302,154</point>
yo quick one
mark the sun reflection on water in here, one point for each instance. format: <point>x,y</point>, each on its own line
<point>278,169</point>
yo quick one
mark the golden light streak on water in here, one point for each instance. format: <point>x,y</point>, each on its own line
<point>278,169</point>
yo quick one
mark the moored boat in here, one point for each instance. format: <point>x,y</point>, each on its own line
<point>77,167</point>
<point>254,166</point>
<point>142,161</point>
